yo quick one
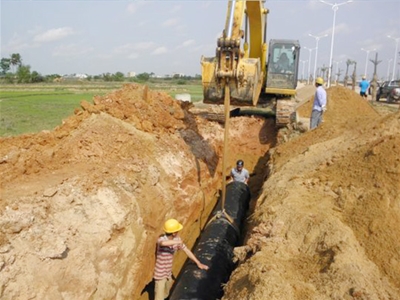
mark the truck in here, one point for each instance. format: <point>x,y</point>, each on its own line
<point>246,70</point>
<point>389,90</point>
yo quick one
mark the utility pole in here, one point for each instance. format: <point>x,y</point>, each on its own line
<point>374,83</point>
<point>353,77</point>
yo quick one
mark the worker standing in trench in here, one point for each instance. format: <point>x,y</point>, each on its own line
<point>167,245</point>
<point>240,173</point>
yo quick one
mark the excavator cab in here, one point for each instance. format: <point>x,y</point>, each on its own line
<point>282,67</point>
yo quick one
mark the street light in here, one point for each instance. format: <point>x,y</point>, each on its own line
<point>309,62</point>
<point>335,7</point>
<point>317,38</point>
<point>366,60</point>
<point>302,74</point>
<point>388,70</point>
<point>395,54</point>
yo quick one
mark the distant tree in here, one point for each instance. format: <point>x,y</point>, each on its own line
<point>323,70</point>
<point>36,77</point>
<point>107,76</point>
<point>143,76</point>
<point>346,76</point>
<point>5,65</point>
<point>52,77</point>
<point>119,76</point>
<point>15,60</point>
<point>9,78</point>
<point>24,74</point>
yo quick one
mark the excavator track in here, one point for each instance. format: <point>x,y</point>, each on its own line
<point>285,112</point>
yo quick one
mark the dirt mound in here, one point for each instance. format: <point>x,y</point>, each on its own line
<point>326,224</point>
<point>83,205</point>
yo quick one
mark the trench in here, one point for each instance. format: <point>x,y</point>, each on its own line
<point>213,245</point>
<point>215,248</point>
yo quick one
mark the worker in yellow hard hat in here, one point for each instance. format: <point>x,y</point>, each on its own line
<point>319,105</point>
<point>167,245</point>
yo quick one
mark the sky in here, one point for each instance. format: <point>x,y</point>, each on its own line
<point>166,37</point>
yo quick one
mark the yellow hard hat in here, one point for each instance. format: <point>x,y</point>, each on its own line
<point>172,225</point>
<point>319,80</point>
<point>363,77</point>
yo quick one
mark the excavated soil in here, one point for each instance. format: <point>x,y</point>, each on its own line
<point>326,224</point>
<point>81,206</point>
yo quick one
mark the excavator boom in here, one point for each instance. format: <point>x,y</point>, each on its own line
<point>242,70</point>
<point>243,64</point>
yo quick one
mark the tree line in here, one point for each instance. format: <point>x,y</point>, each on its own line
<point>12,70</point>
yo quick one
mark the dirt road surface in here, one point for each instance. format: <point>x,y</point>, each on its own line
<point>82,206</point>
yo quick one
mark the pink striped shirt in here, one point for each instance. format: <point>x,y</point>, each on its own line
<point>165,257</point>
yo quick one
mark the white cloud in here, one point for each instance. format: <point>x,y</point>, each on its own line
<point>16,44</point>
<point>142,46</point>
<point>54,34</point>
<point>159,50</point>
<point>71,50</point>
<point>104,56</point>
<point>205,4</point>
<point>133,55</point>
<point>131,8</point>
<point>339,28</point>
<point>186,44</point>
<point>175,9</point>
<point>170,22</point>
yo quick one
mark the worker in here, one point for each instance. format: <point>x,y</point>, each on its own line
<point>364,85</point>
<point>240,173</point>
<point>319,105</point>
<point>167,245</point>
<point>283,63</point>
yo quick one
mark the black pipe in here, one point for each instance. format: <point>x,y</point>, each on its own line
<point>215,249</point>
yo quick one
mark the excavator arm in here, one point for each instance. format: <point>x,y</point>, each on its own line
<point>239,65</point>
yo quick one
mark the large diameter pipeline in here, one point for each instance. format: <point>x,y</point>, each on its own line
<point>215,249</point>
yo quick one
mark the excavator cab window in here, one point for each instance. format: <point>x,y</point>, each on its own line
<point>283,60</point>
<point>282,66</point>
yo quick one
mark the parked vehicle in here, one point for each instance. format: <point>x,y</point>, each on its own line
<point>394,95</point>
<point>385,89</point>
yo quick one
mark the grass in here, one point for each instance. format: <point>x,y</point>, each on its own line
<point>36,107</point>
<point>29,112</point>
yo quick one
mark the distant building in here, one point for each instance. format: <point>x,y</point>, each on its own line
<point>81,76</point>
<point>131,74</point>
<point>178,75</point>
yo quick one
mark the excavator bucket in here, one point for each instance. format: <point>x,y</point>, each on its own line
<point>245,87</point>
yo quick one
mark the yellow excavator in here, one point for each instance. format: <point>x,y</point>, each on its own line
<point>242,74</point>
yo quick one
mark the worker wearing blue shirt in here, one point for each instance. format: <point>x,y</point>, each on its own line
<point>319,105</point>
<point>364,85</point>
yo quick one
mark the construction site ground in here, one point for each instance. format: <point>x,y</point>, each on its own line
<point>81,206</point>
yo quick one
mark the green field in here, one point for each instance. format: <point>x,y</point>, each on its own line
<point>33,108</point>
